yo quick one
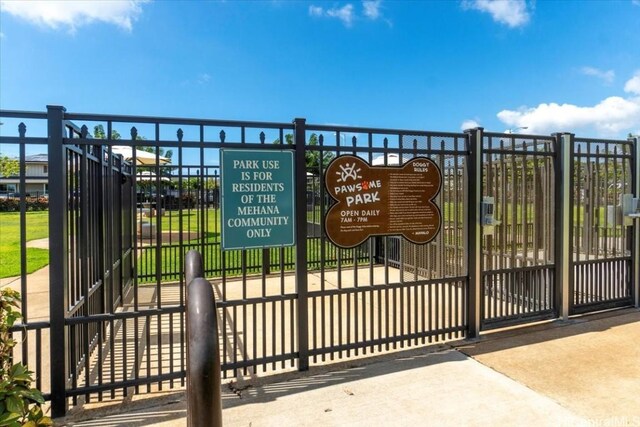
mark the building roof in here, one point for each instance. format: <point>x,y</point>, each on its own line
<point>37,158</point>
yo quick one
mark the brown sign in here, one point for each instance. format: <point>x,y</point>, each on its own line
<point>382,200</point>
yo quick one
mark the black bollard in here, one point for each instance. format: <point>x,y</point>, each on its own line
<point>204,400</point>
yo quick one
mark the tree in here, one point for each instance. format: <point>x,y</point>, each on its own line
<point>8,166</point>
<point>99,133</point>
<point>288,139</point>
<point>312,157</point>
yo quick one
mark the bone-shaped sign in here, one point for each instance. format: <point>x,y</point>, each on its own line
<point>382,200</point>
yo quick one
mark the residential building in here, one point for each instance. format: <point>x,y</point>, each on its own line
<point>36,178</point>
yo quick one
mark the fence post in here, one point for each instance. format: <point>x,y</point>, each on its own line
<point>563,168</point>
<point>58,270</point>
<point>474,230</point>
<point>301,243</point>
<point>635,251</point>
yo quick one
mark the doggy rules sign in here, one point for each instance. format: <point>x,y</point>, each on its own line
<point>382,200</point>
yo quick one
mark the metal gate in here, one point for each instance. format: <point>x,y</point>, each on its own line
<point>603,256</point>
<point>518,282</point>
<point>399,294</point>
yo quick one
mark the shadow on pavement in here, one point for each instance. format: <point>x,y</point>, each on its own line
<point>528,335</point>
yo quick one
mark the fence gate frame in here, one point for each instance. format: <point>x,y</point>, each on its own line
<point>515,260</point>
<point>597,263</point>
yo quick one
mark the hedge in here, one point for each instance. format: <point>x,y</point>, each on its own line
<point>12,204</point>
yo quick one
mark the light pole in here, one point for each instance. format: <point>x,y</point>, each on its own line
<point>343,138</point>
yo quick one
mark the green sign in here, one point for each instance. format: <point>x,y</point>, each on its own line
<point>257,198</point>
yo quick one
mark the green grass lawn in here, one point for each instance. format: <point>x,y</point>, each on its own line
<point>193,220</point>
<point>37,227</point>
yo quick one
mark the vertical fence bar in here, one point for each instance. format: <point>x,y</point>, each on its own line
<point>301,243</point>
<point>635,253</point>
<point>563,221</point>
<point>474,234</point>
<point>58,297</point>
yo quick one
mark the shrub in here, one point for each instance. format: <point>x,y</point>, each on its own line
<point>20,405</point>
<point>12,204</point>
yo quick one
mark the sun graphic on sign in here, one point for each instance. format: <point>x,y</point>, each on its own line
<point>348,171</point>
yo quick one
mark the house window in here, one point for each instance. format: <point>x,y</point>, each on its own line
<point>46,168</point>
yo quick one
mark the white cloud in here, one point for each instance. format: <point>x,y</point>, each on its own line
<point>512,13</point>
<point>614,116</point>
<point>371,9</point>
<point>469,124</point>
<point>203,78</point>
<point>633,84</point>
<point>74,14</point>
<point>345,14</point>
<point>316,10</point>
<point>606,76</point>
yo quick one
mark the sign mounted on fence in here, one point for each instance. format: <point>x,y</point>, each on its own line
<point>257,198</point>
<point>382,201</point>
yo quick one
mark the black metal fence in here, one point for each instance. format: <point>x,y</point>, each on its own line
<point>119,231</point>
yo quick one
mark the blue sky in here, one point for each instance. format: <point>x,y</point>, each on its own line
<point>432,65</point>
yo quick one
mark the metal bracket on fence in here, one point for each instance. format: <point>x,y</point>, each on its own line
<point>204,400</point>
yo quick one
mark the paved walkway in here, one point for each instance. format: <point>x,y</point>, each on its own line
<point>584,372</point>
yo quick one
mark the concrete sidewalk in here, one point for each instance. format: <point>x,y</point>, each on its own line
<point>583,372</point>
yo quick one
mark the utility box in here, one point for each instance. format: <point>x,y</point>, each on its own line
<point>625,212</point>
<point>630,207</point>
<point>488,216</point>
